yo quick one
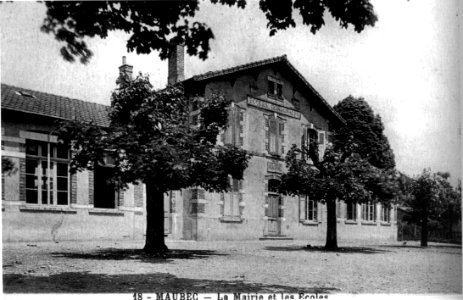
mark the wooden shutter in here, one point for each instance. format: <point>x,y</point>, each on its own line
<point>138,194</point>
<point>266,136</point>
<point>273,135</point>
<point>267,206</point>
<point>240,124</point>
<point>318,211</point>
<point>228,134</point>
<point>281,130</point>
<point>302,200</point>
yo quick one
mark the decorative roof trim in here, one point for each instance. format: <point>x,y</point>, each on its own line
<point>282,58</point>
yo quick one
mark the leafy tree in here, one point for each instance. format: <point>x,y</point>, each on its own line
<point>156,25</point>
<point>434,201</point>
<point>367,131</point>
<point>151,141</point>
<point>340,174</point>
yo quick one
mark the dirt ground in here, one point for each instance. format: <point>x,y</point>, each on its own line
<point>257,266</point>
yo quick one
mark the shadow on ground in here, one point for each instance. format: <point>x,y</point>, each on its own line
<point>137,254</point>
<point>419,247</point>
<point>84,282</point>
<point>363,250</point>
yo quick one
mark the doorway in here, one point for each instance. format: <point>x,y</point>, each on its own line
<point>273,211</point>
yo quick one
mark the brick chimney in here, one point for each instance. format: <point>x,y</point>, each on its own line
<point>125,71</point>
<point>176,71</point>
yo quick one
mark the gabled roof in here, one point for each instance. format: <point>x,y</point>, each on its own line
<point>44,104</point>
<point>278,59</point>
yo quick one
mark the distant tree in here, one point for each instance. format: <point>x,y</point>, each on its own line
<point>152,142</point>
<point>367,131</point>
<point>340,174</point>
<point>433,201</point>
<point>156,25</point>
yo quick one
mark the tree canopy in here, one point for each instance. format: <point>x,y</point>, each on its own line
<point>341,174</point>
<point>366,130</point>
<point>433,202</point>
<point>151,140</point>
<point>157,25</point>
<point>357,167</point>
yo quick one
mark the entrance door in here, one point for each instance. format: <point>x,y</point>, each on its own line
<point>273,219</point>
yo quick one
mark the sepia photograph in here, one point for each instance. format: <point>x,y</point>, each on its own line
<point>231,149</point>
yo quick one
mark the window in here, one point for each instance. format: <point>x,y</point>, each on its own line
<point>309,136</point>
<point>104,189</point>
<point>385,214</point>
<point>47,173</point>
<point>275,88</point>
<point>310,210</point>
<point>274,135</point>
<point>232,199</point>
<point>234,133</point>
<point>369,212</point>
<point>351,211</point>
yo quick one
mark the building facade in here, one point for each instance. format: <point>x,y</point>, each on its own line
<point>273,108</point>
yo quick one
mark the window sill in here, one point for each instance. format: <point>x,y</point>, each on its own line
<point>47,209</point>
<point>385,224</point>
<point>369,223</point>
<point>351,222</point>
<point>274,97</point>
<point>105,212</point>
<point>231,219</point>
<point>309,223</point>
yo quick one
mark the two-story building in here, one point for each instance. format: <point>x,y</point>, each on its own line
<point>273,107</point>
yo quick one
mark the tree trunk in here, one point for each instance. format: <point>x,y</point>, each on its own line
<point>331,234</point>
<point>424,226</point>
<point>154,244</point>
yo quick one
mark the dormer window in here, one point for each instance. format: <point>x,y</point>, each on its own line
<point>275,88</point>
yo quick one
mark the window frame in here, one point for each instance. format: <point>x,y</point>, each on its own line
<point>234,132</point>
<point>275,88</point>
<point>385,214</point>
<point>234,197</point>
<point>369,211</point>
<point>351,212</point>
<point>275,146</point>
<point>310,210</point>
<point>47,169</point>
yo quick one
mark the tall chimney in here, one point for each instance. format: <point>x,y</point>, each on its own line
<point>125,71</point>
<point>176,70</point>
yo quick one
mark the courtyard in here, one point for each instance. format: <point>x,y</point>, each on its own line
<point>251,266</point>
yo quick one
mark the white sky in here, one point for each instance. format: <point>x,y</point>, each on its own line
<point>406,67</point>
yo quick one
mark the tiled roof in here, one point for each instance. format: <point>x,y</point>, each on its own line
<point>28,101</point>
<point>264,62</point>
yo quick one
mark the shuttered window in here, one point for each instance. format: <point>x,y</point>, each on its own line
<point>232,199</point>
<point>274,135</point>
<point>234,132</point>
